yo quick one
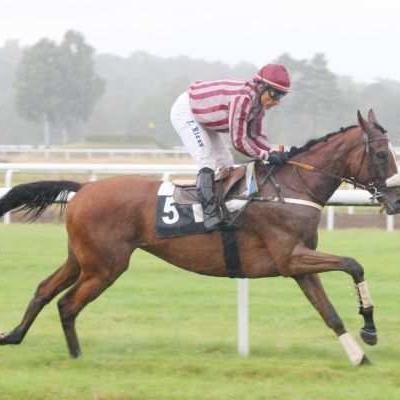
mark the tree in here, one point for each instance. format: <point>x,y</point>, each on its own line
<point>315,105</point>
<point>58,86</point>
<point>383,96</point>
<point>12,128</point>
<point>327,97</point>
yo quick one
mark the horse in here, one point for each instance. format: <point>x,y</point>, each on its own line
<point>109,219</point>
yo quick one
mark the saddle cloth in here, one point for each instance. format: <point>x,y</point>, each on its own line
<point>179,211</point>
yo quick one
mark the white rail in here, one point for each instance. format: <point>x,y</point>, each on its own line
<point>100,168</point>
<point>89,153</point>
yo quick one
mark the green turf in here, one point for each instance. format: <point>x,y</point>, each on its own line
<point>163,333</point>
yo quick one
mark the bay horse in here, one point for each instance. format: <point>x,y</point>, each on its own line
<point>108,219</point>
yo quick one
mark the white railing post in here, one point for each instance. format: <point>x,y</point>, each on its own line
<point>166,176</point>
<point>330,218</point>
<point>243,317</point>
<point>390,223</point>
<point>350,210</point>
<point>93,177</point>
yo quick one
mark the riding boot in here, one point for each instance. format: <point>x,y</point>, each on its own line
<point>205,190</point>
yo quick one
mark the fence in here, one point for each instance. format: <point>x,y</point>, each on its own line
<point>67,154</point>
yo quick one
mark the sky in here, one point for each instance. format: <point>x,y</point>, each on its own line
<point>358,37</point>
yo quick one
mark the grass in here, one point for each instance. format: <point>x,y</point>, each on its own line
<point>164,333</point>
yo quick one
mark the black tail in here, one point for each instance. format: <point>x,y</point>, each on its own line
<point>35,197</point>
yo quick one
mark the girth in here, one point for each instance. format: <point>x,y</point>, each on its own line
<point>231,254</point>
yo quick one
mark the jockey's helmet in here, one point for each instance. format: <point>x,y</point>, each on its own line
<point>275,75</point>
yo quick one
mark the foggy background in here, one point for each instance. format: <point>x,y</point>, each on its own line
<point>100,72</point>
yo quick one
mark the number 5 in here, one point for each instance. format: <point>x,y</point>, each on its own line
<point>169,208</point>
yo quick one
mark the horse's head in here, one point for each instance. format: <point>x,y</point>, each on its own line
<point>375,165</point>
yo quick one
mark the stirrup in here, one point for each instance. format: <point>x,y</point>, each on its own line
<point>213,222</point>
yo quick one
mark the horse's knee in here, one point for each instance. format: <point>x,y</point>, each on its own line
<point>354,268</point>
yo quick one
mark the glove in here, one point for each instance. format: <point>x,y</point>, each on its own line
<point>278,157</point>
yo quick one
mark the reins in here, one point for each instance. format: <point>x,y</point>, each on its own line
<point>311,168</point>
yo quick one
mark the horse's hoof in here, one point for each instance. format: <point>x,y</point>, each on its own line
<point>9,338</point>
<point>369,337</point>
<point>365,361</point>
<point>3,338</point>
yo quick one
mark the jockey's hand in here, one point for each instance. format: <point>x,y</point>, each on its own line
<point>277,157</point>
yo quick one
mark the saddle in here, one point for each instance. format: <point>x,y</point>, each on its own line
<point>225,181</point>
<point>179,211</point>
<point>228,181</point>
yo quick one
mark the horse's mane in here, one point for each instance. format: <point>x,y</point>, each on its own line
<point>294,151</point>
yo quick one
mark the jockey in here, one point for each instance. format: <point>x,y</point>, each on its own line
<point>212,114</point>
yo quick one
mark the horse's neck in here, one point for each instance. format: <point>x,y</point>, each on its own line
<point>331,161</point>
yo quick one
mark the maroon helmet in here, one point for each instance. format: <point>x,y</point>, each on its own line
<point>275,75</point>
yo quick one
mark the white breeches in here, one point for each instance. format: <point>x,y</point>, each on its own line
<point>208,149</point>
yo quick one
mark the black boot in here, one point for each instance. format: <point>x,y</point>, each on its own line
<point>205,190</point>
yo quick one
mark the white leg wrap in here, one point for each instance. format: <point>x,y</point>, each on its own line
<point>363,292</point>
<point>352,349</point>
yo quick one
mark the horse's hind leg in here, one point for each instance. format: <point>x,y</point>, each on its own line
<point>306,261</point>
<point>61,279</point>
<point>314,291</point>
<point>91,283</point>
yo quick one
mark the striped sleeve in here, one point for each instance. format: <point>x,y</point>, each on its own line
<point>258,135</point>
<point>238,127</point>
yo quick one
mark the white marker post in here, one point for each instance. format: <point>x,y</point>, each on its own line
<point>243,317</point>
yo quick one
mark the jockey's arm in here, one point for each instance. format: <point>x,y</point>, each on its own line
<point>239,129</point>
<point>259,136</point>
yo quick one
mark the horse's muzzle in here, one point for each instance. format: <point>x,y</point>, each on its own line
<point>390,198</point>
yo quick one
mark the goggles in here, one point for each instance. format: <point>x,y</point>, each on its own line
<point>275,94</point>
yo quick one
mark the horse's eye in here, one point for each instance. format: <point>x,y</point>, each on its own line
<point>381,155</point>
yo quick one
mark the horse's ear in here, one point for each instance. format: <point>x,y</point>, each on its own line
<point>374,122</point>
<point>371,117</point>
<point>362,122</point>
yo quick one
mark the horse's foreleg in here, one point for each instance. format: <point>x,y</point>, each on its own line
<point>87,288</point>
<point>314,291</point>
<point>306,261</point>
<point>61,279</point>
